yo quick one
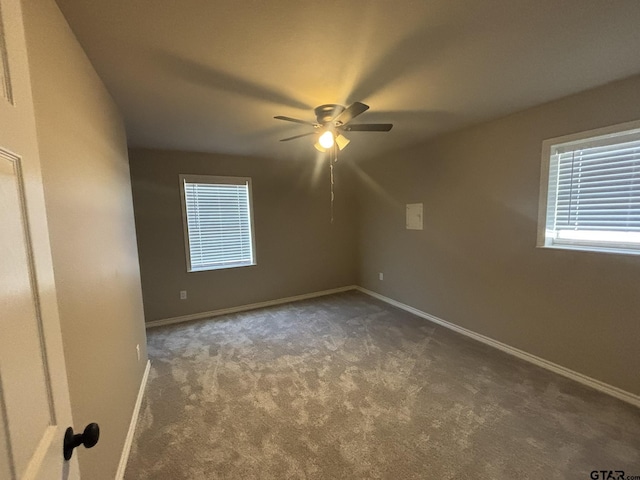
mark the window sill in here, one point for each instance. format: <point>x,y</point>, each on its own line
<point>592,249</point>
<point>221,267</point>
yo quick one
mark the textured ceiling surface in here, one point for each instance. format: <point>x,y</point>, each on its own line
<point>209,75</point>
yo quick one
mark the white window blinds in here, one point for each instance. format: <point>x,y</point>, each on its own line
<point>594,193</point>
<point>218,222</point>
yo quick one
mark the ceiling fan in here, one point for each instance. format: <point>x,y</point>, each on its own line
<point>332,120</point>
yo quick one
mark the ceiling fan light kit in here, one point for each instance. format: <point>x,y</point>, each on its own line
<point>331,121</point>
<point>340,141</point>
<point>326,139</point>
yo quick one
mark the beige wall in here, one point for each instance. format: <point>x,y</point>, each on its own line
<point>298,250</point>
<point>476,264</point>
<point>90,214</point>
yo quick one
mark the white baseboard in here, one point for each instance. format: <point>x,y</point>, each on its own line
<point>124,457</point>
<point>243,308</point>
<point>541,362</point>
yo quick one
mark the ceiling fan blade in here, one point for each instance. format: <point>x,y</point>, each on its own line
<point>297,136</point>
<point>368,127</point>
<point>295,120</point>
<point>351,112</point>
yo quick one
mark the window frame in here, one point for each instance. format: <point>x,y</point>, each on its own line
<point>215,180</point>
<point>595,135</point>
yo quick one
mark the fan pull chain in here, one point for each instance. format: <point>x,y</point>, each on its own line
<point>331,163</point>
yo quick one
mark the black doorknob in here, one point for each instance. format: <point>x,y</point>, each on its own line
<point>88,438</point>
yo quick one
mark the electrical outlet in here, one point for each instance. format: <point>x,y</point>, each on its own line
<point>381,276</point>
<point>183,294</point>
<point>138,351</point>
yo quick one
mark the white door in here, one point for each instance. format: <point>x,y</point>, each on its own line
<point>34,397</point>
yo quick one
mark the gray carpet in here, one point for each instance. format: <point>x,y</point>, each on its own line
<point>346,387</point>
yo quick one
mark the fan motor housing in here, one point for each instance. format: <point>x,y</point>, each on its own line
<point>327,112</point>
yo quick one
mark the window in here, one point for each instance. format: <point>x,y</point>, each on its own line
<point>218,222</point>
<point>590,191</point>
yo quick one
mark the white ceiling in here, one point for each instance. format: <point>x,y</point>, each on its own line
<point>209,75</point>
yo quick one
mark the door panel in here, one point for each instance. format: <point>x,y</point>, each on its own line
<point>5,77</point>
<point>5,456</point>
<point>23,367</point>
<point>34,397</point>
